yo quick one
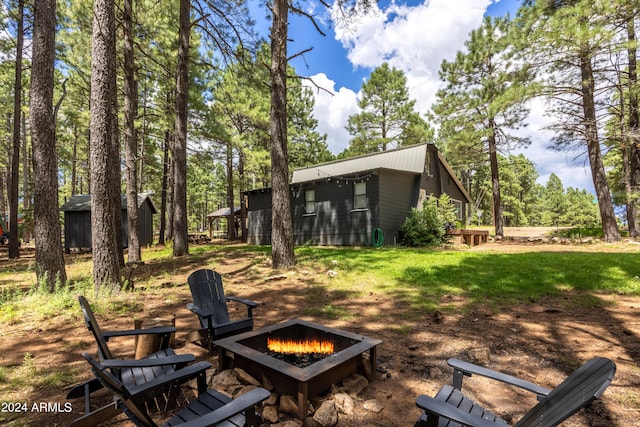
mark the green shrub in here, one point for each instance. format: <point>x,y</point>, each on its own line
<point>426,226</point>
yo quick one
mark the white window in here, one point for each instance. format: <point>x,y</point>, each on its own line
<point>310,201</point>
<point>458,205</point>
<point>360,195</point>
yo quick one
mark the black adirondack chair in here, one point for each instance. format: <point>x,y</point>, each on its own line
<point>210,304</point>
<point>147,372</point>
<point>210,408</point>
<point>452,408</point>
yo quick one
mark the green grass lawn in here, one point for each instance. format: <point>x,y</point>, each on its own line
<point>423,277</point>
<point>420,277</point>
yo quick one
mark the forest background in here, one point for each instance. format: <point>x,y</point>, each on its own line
<point>579,57</point>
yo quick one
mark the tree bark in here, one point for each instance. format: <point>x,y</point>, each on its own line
<point>106,265</point>
<point>282,254</point>
<point>231,229</point>
<point>14,248</point>
<point>130,140</point>
<point>165,187</point>
<point>49,253</point>
<point>607,215</point>
<point>180,226</point>
<point>634,136</point>
<point>495,182</point>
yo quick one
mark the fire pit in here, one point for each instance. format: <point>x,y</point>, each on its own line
<point>300,371</point>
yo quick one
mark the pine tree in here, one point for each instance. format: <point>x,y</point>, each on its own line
<point>387,118</point>
<point>482,101</point>
<point>570,40</point>
<point>49,257</point>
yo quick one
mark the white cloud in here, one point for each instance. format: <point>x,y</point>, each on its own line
<point>416,39</point>
<point>332,109</point>
<point>572,167</point>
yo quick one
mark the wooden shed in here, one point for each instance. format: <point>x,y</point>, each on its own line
<point>360,200</point>
<point>77,221</point>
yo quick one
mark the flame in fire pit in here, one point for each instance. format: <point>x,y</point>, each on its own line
<point>293,346</point>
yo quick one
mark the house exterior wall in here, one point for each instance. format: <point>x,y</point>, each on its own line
<point>77,230</point>
<point>398,194</point>
<point>77,227</point>
<point>436,181</point>
<point>391,192</point>
<point>335,220</point>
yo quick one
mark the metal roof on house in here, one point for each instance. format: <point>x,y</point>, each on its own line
<point>82,202</point>
<point>406,159</point>
<point>222,212</point>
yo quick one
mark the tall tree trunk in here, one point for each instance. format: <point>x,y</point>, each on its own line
<point>49,253</point>
<point>634,137</point>
<point>607,215</point>
<point>106,265</point>
<point>243,204</point>
<point>495,182</point>
<point>180,238</point>
<point>26,197</point>
<point>231,221</point>
<point>14,248</point>
<point>74,160</point>
<point>282,254</point>
<point>165,182</point>
<point>130,142</point>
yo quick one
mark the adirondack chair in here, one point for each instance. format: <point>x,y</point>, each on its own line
<point>210,408</point>
<point>452,408</point>
<point>210,304</point>
<point>136,373</point>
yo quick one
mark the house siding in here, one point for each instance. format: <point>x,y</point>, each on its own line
<point>398,194</point>
<point>77,224</point>
<point>395,182</point>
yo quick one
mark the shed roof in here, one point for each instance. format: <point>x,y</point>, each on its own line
<point>220,213</point>
<point>82,202</point>
<point>405,159</point>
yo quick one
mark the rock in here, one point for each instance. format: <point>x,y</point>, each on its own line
<point>326,415</point>
<point>289,423</point>
<point>332,274</point>
<point>243,390</point>
<point>310,422</point>
<point>266,382</point>
<point>245,378</point>
<point>435,373</point>
<point>480,354</point>
<point>288,405</point>
<point>270,413</point>
<point>373,406</point>
<point>226,381</point>
<point>272,400</point>
<point>355,383</point>
<point>344,403</point>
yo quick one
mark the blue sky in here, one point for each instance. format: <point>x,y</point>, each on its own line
<point>414,36</point>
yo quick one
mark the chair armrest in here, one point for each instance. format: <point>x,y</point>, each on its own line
<point>236,406</point>
<point>176,377</point>
<point>442,409</point>
<point>159,330</point>
<point>467,369</point>
<point>199,310</point>
<point>246,302</point>
<point>147,363</point>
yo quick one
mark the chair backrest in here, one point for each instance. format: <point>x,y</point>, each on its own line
<point>138,414</point>
<point>586,384</point>
<point>92,325</point>
<point>207,292</point>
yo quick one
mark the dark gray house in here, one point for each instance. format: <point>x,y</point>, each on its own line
<point>77,221</point>
<point>350,201</point>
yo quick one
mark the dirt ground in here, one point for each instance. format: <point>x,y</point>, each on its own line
<point>541,341</point>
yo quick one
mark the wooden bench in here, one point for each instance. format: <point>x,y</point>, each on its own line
<point>471,237</point>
